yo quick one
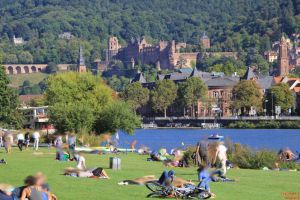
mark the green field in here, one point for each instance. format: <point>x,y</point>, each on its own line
<point>251,185</point>
<point>34,78</point>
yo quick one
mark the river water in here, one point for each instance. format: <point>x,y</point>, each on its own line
<point>173,138</point>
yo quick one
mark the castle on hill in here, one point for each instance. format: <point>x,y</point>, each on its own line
<point>164,55</point>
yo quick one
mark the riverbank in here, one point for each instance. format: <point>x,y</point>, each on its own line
<point>251,183</point>
<point>265,125</point>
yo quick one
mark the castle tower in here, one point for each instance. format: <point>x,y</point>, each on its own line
<point>81,63</point>
<point>205,41</point>
<point>283,58</point>
<point>113,44</point>
<point>112,49</point>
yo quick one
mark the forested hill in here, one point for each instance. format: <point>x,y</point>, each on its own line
<point>232,24</point>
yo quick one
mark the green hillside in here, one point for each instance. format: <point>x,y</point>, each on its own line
<point>233,25</point>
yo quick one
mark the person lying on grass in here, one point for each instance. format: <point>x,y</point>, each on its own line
<point>177,182</point>
<point>96,173</point>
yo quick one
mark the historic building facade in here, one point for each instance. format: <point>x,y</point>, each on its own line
<point>219,95</point>
<point>164,55</point>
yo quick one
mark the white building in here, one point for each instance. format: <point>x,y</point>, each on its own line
<point>36,118</point>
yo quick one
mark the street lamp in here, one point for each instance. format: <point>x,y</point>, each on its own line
<point>272,104</point>
<point>266,101</point>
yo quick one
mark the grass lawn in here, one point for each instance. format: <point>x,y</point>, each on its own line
<point>34,78</point>
<point>252,184</point>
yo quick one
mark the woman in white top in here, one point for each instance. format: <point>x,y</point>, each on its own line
<point>80,162</point>
<point>221,155</point>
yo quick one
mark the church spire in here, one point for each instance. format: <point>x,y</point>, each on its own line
<point>81,58</point>
<point>81,63</point>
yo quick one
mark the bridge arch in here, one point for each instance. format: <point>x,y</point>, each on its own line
<point>19,70</point>
<point>26,70</point>
<point>33,69</point>
<point>10,70</point>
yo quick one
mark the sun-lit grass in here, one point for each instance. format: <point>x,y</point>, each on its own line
<point>34,78</point>
<point>252,184</point>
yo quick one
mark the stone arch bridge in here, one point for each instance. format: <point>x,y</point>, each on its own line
<point>29,68</point>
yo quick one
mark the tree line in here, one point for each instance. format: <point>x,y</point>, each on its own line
<point>246,94</point>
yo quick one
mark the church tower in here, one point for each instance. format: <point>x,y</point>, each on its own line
<point>81,63</point>
<point>283,59</point>
<point>205,41</point>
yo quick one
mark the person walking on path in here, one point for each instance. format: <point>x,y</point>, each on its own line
<point>27,139</point>
<point>21,139</point>
<point>36,137</point>
<point>8,141</point>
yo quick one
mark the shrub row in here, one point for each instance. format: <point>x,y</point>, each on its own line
<point>266,125</point>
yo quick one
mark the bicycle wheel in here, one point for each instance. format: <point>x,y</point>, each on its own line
<point>198,195</point>
<point>154,186</point>
<point>156,195</point>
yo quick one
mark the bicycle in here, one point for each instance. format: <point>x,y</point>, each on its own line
<point>188,191</point>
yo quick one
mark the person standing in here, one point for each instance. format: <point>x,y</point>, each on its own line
<point>8,141</point>
<point>1,138</point>
<point>21,139</point>
<point>58,142</point>
<point>27,139</point>
<point>36,137</point>
<point>221,154</point>
<point>72,142</point>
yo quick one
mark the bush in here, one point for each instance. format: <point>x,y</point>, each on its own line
<point>268,124</point>
<point>91,140</point>
<point>290,125</point>
<point>241,124</point>
<point>188,154</point>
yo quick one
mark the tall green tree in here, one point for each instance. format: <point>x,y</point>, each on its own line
<point>163,95</point>
<point>280,95</point>
<point>117,116</point>
<point>78,100</point>
<point>9,114</point>
<point>246,94</point>
<point>191,91</point>
<point>135,95</point>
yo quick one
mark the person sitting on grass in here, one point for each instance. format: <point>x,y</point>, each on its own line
<point>34,190</point>
<point>286,155</point>
<point>80,161</point>
<point>62,155</point>
<point>5,193</point>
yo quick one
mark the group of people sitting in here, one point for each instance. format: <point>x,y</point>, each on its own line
<point>286,155</point>
<point>35,188</point>
<point>176,158</point>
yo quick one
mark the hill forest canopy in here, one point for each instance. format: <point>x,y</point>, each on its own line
<point>232,25</point>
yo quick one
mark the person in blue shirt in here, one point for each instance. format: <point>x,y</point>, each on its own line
<point>5,195</point>
<point>204,177</point>
<point>166,178</point>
